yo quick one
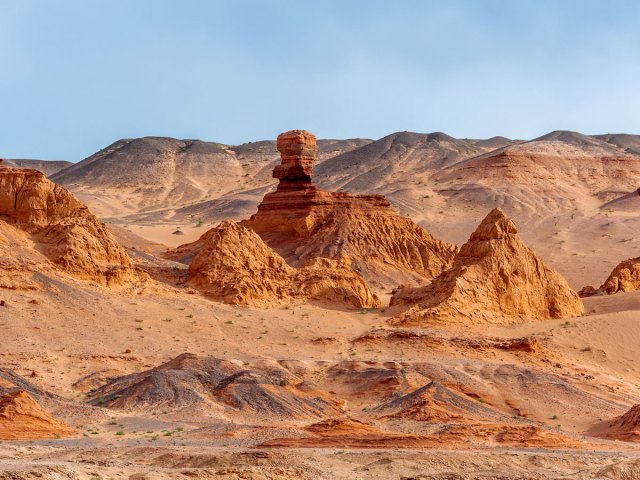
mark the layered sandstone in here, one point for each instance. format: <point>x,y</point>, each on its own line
<point>61,227</point>
<point>235,266</point>
<point>495,278</point>
<point>303,222</point>
<point>21,418</point>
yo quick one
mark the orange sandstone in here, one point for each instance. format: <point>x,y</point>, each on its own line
<point>495,278</point>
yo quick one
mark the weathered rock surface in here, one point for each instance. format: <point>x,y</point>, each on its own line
<point>625,427</point>
<point>61,227</point>
<point>205,384</point>
<point>21,418</point>
<point>303,222</point>
<point>435,402</point>
<point>495,278</point>
<point>348,433</point>
<point>235,266</point>
<point>624,278</point>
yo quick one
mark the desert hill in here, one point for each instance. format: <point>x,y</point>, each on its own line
<point>153,174</point>
<point>631,143</point>
<point>223,387</point>
<point>381,166</point>
<point>519,176</point>
<point>48,167</point>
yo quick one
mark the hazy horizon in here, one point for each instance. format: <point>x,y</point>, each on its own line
<point>83,75</point>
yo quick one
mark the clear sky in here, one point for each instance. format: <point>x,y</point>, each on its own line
<point>76,75</point>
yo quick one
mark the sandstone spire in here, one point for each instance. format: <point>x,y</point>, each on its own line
<point>495,278</point>
<point>298,151</point>
<point>303,222</point>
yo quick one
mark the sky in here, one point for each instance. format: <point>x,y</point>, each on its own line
<point>76,75</point>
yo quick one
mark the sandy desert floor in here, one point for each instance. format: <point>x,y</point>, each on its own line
<point>70,337</point>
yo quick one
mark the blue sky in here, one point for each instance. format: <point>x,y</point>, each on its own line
<point>76,75</point>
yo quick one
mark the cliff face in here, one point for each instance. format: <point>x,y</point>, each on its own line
<point>495,278</point>
<point>61,227</point>
<point>303,222</point>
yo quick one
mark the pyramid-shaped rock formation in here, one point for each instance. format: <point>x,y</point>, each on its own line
<point>495,278</point>
<point>235,266</point>
<point>60,226</point>
<point>21,418</point>
<point>302,222</point>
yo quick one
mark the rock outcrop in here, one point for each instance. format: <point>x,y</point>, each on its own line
<point>235,266</point>
<point>624,278</point>
<point>435,402</point>
<point>302,222</point>
<point>21,418</point>
<point>625,427</point>
<point>208,384</point>
<point>495,278</point>
<point>349,433</point>
<point>61,227</point>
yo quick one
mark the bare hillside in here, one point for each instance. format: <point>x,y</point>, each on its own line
<point>48,167</point>
<point>154,175</point>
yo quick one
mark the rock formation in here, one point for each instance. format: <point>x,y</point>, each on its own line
<point>350,433</point>
<point>21,418</point>
<point>235,266</point>
<point>205,384</point>
<point>303,222</point>
<point>625,427</point>
<point>61,226</point>
<point>495,278</point>
<point>624,278</point>
<point>435,402</point>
